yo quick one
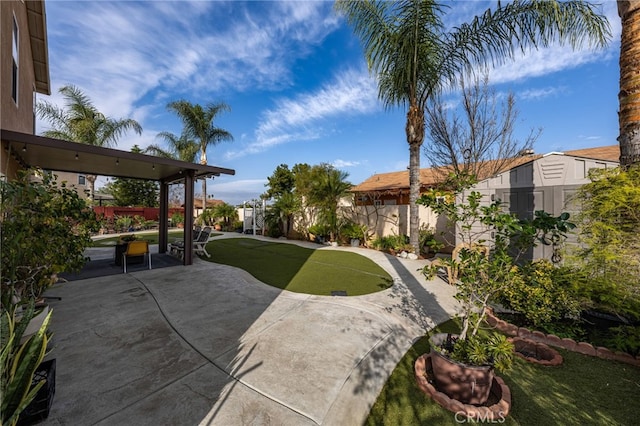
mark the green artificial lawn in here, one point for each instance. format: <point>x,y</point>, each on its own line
<point>299,269</point>
<point>583,390</point>
<point>152,237</point>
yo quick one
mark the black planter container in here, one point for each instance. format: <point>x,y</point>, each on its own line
<point>38,409</point>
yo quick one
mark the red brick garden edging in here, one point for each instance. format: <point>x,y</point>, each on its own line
<point>542,353</point>
<point>565,343</point>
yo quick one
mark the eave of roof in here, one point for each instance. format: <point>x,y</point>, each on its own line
<point>39,47</point>
<point>58,155</point>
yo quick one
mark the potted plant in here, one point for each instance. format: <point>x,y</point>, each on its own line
<point>177,219</point>
<point>354,233</point>
<point>318,233</point>
<point>482,275</point>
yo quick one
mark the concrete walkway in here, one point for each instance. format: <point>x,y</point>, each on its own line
<point>209,344</point>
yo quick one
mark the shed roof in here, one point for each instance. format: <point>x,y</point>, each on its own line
<point>396,182</point>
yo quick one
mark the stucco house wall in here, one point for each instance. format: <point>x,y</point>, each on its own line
<point>31,59</point>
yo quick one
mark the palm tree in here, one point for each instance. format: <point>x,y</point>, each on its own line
<point>81,122</point>
<point>415,56</point>
<point>328,187</point>
<point>180,148</point>
<point>226,212</point>
<point>198,124</point>
<point>629,95</point>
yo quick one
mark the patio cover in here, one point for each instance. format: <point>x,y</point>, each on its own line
<point>59,155</point>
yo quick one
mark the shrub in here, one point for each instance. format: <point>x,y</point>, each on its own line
<point>428,242</point>
<point>542,293</point>
<point>45,230</point>
<point>610,242</point>
<point>319,230</point>
<point>177,218</point>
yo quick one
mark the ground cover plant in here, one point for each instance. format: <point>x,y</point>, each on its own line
<point>582,391</point>
<point>301,270</point>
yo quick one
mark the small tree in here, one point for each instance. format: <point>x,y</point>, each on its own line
<point>476,139</point>
<point>328,187</point>
<point>483,276</point>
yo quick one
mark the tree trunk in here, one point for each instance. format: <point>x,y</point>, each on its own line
<point>629,95</point>
<point>92,185</point>
<point>415,137</point>
<point>204,194</point>
<point>203,161</point>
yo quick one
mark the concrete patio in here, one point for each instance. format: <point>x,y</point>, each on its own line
<point>209,344</point>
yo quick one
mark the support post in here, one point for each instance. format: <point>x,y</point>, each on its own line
<point>163,222</point>
<point>188,216</point>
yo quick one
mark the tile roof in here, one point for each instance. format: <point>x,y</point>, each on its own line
<point>609,153</point>
<point>399,181</point>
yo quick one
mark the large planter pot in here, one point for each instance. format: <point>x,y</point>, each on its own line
<point>40,406</point>
<point>468,384</point>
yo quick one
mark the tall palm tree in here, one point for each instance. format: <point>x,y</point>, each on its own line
<point>416,56</point>
<point>80,121</point>
<point>629,95</point>
<point>180,148</point>
<point>198,124</point>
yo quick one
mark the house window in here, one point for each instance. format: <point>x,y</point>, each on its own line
<point>14,54</point>
<point>377,202</point>
<point>82,180</point>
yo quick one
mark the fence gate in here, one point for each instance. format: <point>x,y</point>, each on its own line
<point>253,217</point>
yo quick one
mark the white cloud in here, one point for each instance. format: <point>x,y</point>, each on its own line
<point>340,164</point>
<point>542,93</point>
<point>237,191</point>
<point>124,55</point>
<point>300,118</point>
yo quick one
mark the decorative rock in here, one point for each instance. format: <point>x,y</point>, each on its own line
<point>511,329</point>
<point>565,343</point>
<point>623,357</point>
<point>552,339</point>
<point>455,406</point>
<point>568,344</point>
<point>535,352</point>
<point>442,399</point>
<point>604,353</point>
<point>538,336</point>
<point>403,254</point>
<point>412,256</point>
<point>524,333</point>
<point>585,348</point>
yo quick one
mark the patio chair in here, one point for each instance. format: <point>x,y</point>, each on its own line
<point>198,244</point>
<point>136,248</point>
<point>178,243</point>
<point>454,272</point>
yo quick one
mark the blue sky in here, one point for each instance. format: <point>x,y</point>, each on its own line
<point>297,84</point>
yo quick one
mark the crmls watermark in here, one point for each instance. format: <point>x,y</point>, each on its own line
<point>462,417</point>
